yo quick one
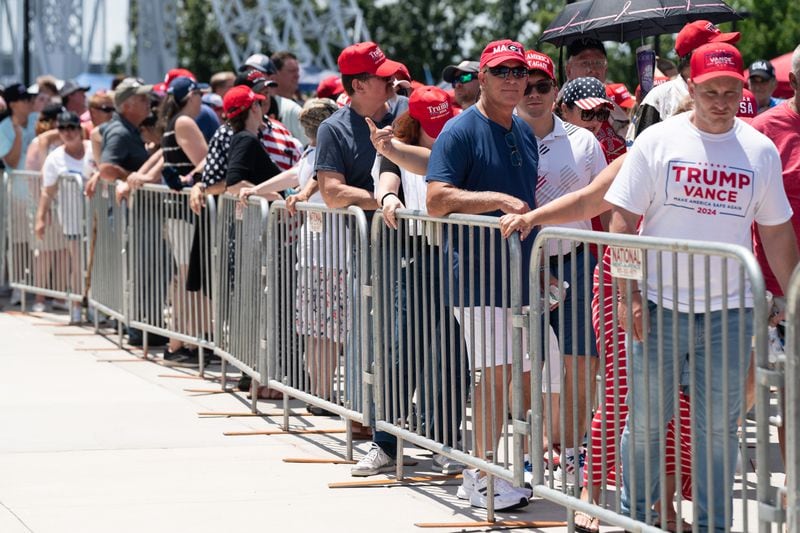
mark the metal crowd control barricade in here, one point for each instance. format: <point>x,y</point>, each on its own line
<point>317,309</point>
<point>447,311</point>
<point>4,203</point>
<point>51,263</point>
<point>239,281</point>
<point>107,233</point>
<point>163,235</point>
<point>704,344</point>
<point>792,412</point>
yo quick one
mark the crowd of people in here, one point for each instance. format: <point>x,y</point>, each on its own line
<point>507,141</point>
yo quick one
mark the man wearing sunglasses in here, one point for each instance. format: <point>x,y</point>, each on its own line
<point>485,162</point>
<point>569,159</point>
<point>464,79</point>
<point>346,170</point>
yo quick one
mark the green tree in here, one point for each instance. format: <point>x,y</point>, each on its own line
<point>116,64</point>
<point>201,47</point>
<point>771,28</point>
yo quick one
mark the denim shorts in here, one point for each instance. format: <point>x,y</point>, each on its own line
<point>579,297</point>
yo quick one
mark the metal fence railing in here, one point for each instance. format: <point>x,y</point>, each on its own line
<point>47,237</point>
<point>4,220</point>
<point>448,341</point>
<point>422,330</point>
<point>682,387</point>
<point>791,419</point>
<point>107,233</point>
<point>239,278</point>
<point>161,234</point>
<point>317,310</point>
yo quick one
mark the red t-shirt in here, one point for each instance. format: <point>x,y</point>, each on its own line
<point>782,125</point>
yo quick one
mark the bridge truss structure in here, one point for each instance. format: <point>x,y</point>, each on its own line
<point>64,35</point>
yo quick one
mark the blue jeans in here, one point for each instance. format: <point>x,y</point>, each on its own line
<point>440,406</point>
<point>713,436</point>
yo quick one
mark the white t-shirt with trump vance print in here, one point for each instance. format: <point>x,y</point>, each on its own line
<point>693,185</point>
<point>569,159</point>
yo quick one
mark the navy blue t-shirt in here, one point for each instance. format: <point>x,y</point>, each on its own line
<point>474,153</point>
<point>207,121</point>
<point>343,145</point>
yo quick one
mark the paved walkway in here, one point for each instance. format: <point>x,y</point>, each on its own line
<point>97,439</point>
<point>90,445</point>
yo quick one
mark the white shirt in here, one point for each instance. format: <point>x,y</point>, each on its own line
<point>69,201</point>
<point>689,184</point>
<point>569,159</point>
<point>322,234</point>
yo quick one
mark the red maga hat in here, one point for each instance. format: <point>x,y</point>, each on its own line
<point>432,107</point>
<point>238,99</point>
<point>497,52</point>
<point>715,60</point>
<point>539,61</point>
<point>700,32</point>
<point>368,58</point>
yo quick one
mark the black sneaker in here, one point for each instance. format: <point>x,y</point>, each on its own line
<point>244,382</point>
<point>319,411</point>
<point>179,356</point>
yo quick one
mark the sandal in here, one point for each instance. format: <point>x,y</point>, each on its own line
<point>587,523</point>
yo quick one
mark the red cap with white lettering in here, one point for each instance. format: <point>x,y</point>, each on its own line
<point>715,60</point>
<point>368,58</point>
<point>432,107</point>
<point>497,52</point>
<point>539,61</point>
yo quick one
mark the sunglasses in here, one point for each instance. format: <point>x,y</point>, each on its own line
<point>511,142</point>
<point>69,127</point>
<point>104,108</point>
<point>541,87</point>
<point>592,114</point>
<point>465,78</point>
<point>503,72</point>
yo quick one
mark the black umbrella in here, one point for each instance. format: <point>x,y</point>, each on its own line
<point>627,20</point>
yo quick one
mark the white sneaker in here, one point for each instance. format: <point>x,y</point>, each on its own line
<point>75,315</point>
<point>39,307</point>
<point>573,467</point>
<point>375,462</point>
<point>506,497</point>
<point>467,487</point>
<point>446,465</point>
<point>16,297</point>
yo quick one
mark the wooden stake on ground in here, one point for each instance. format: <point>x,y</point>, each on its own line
<point>536,524</point>
<point>315,461</point>
<point>211,414</point>
<point>282,432</point>
<point>212,391</point>
<point>391,482</point>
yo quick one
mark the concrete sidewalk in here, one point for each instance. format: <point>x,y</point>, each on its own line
<point>90,446</point>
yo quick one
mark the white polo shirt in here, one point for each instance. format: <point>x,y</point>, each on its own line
<point>569,159</point>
